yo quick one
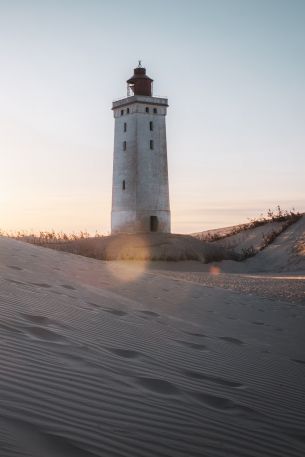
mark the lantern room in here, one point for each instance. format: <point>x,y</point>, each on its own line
<point>139,83</point>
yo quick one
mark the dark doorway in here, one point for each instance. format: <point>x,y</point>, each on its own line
<point>154,223</point>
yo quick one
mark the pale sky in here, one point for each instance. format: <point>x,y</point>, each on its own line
<point>234,74</point>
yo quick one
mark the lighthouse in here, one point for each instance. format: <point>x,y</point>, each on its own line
<point>140,191</point>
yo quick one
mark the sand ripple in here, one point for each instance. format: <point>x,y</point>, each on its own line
<point>107,372</point>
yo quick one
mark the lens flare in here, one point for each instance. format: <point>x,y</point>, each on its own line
<point>214,270</point>
<point>132,253</point>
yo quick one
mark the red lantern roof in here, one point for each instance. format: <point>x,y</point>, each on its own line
<point>140,83</point>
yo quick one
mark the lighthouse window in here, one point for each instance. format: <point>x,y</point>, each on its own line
<point>155,110</point>
<point>123,185</point>
<point>125,126</point>
<point>151,144</point>
<point>151,126</point>
<point>124,145</point>
<point>122,112</point>
<point>147,109</point>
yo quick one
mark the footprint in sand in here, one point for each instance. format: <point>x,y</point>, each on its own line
<point>211,378</point>
<point>126,353</point>
<point>67,286</point>
<point>146,314</point>
<point>35,319</point>
<point>199,347</point>
<point>93,305</point>
<point>159,386</point>
<point>40,284</point>
<point>115,312</point>
<point>14,267</point>
<point>44,334</point>
<point>198,335</point>
<point>232,340</point>
<point>258,323</point>
<point>41,320</point>
<point>298,361</point>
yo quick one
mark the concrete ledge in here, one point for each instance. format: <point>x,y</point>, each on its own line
<point>140,99</point>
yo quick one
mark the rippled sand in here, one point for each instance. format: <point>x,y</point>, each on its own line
<point>113,359</point>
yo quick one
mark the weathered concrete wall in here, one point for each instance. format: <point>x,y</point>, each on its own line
<point>143,170</point>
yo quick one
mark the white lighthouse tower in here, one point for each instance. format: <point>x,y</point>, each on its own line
<point>140,194</point>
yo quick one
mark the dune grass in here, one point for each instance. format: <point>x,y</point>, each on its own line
<point>159,246</point>
<point>277,215</point>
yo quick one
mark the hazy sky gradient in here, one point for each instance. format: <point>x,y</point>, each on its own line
<point>234,73</point>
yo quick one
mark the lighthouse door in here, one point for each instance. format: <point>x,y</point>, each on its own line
<point>154,223</point>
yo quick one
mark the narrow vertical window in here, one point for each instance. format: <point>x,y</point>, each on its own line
<point>127,110</point>
<point>124,145</point>
<point>155,110</point>
<point>151,144</point>
<point>151,126</point>
<point>125,126</point>
<point>122,112</point>
<point>147,109</point>
<point>123,185</point>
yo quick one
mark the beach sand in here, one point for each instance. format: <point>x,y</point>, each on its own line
<point>136,359</point>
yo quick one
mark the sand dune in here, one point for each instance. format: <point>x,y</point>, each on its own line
<point>252,238</point>
<point>281,249</point>
<point>145,246</point>
<point>286,253</point>
<point>112,359</point>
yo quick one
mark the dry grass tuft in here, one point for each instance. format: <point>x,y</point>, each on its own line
<point>277,215</point>
<point>43,238</point>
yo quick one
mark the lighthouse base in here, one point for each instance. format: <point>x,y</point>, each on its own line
<point>140,221</point>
